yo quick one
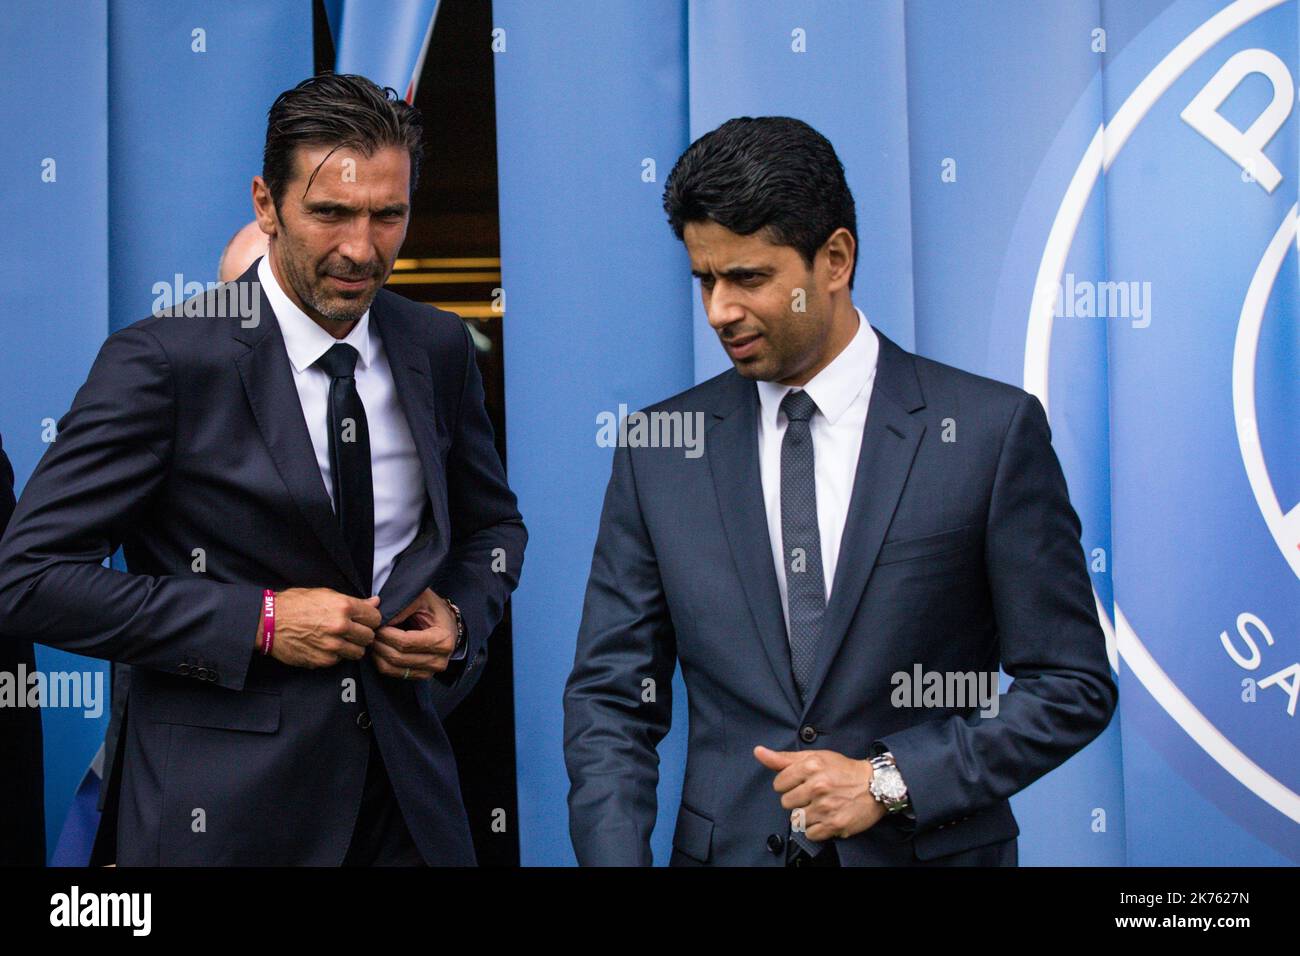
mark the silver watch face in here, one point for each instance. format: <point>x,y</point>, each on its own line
<point>887,784</point>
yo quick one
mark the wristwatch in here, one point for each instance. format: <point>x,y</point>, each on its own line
<point>887,783</point>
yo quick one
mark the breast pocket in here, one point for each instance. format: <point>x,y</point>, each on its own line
<point>934,545</point>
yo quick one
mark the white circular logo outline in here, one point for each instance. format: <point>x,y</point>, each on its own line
<point>1283,525</point>
<point>1121,639</point>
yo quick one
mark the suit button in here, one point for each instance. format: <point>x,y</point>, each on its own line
<point>807,733</point>
<point>183,670</point>
<point>363,720</point>
<point>775,843</point>
<point>201,673</point>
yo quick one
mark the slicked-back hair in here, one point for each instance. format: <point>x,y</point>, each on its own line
<point>771,172</point>
<point>338,110</point>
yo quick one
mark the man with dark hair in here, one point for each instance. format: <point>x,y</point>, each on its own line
<point>862,519</point>
<point>317,525</point>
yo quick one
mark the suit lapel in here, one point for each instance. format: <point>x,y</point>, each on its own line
<point>413,381</point>
<point>732,449</point>
<point>890,440</point>
<point>268,382</point>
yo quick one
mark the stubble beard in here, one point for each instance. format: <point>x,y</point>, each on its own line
<point>335,309</point>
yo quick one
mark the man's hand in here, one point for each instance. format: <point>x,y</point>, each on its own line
<point>318,627</point>
<point>423,645</point>
<point>832,789</point>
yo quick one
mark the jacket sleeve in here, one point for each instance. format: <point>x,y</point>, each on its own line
<point>488,537</point>
<point>110,456</point>
<point>618,698</point>
<point>6,488</point>
<point>1050,642</point>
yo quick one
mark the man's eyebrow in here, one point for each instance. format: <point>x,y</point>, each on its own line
<point>735,271</point>
<point>330,205</point>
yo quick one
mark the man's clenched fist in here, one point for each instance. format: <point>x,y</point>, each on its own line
<point>831,792</point>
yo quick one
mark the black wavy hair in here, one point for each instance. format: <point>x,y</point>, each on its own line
<point>771,172</point>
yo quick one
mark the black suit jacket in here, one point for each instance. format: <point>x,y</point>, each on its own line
<point>957,556</point>
<point>187,445</point>
<point>22,783</point>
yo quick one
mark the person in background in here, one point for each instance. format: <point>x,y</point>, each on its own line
<point>244,248</point>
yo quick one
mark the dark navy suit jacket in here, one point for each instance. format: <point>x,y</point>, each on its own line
<point>957,555</point>
<point>189,434</point>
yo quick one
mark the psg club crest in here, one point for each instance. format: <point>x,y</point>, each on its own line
<point>1194,172</point>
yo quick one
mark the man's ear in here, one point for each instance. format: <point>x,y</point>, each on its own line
<point>268,219</point>
<point>838,249</point>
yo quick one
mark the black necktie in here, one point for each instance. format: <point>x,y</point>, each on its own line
<point>349,435</point>
<point>801,545</point>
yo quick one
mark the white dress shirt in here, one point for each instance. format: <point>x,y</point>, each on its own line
<point>842,391</point>
<point>394,462</point>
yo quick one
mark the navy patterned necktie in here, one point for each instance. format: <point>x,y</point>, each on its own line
<point>800,537</point>
<point>349,437</point>
<point>802,551</point>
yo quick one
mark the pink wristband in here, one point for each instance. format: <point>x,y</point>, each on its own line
<point>268,620</point>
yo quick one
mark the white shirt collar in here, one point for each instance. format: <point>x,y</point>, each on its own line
<point>304,340</point>
<point>836,386</point>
